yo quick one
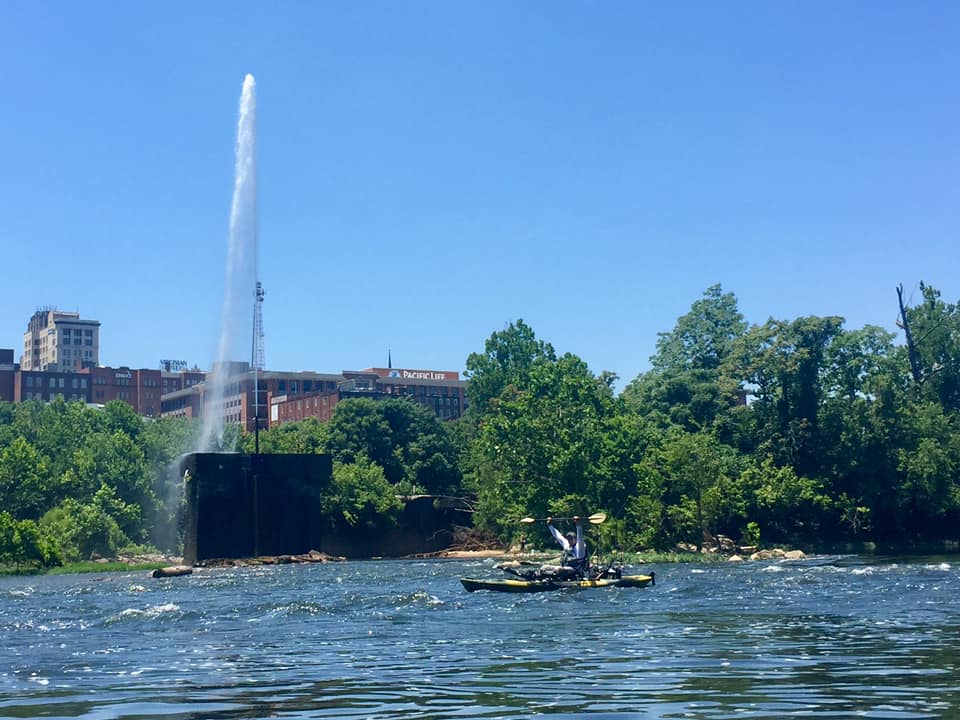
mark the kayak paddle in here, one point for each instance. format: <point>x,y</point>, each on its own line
<point>594,519</point>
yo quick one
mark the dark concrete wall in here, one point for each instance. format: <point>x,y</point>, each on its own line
<point>252,505</point>
<point>249,505</point>
<point>421,528</point>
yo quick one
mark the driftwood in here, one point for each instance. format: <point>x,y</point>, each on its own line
<point>172,571</point>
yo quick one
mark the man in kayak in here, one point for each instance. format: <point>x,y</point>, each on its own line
<point>574,550</point>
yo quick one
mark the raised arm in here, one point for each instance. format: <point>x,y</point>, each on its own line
<point>558,536</point>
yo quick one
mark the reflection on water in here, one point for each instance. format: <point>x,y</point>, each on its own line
<point>833,637</point>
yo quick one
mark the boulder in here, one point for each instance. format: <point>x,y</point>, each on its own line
<point>771,554</point>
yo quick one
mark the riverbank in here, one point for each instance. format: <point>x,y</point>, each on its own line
<point>89,566</point>
<point>158,561</point>
<point>121,563</point>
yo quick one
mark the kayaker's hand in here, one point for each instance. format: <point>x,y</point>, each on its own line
<point>576,519</point>
<point>549,521</point>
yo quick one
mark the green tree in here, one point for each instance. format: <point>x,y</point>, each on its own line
<point>509,357</point>
<point>929,465</point>
<point>361,493</point>
<point>541,442</point>
<point>83,530</point>
<point>690,381</point>
<point>935,331</point>
<point>784,364</point>
<point>25,482</point>
<point>704,337</point>
<point>786,507</point>
<point>307,436</point>
<point>402,437</point>
<point>688,481</point>
<point>23,545</point>
<point>114,460</point>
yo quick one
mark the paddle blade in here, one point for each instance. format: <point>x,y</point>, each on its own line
<point>528,521</point>
<point>597,518</point>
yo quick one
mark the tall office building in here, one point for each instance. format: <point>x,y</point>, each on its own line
<point>60,341</point>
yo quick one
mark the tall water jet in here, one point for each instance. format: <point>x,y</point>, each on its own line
<point>239,290</point>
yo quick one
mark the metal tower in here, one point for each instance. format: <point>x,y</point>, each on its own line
<point>257,361</point>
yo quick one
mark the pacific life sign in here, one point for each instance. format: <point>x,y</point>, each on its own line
<point>400,374</point>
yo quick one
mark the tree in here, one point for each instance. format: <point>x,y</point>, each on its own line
<point>114,460</point>
<point>83,530</point>
<point>704,337</point>
<point>929,465</point>
<point>784,364</point>
<point>360,492</point>
<point>690,381</point>
<point>934,345</point>
<point>22,544</point>
<point>540,442</point>
<point>688,479</point>
<point>509,357</point>
<point>401,436</point>
<point>25,482</point>
<point>308,436</point>
<point>785,506</point>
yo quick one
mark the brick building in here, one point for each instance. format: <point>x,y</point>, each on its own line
<point>283,396</point>
<point>7,374</point>
<point>441,391</point>
<point>239,394</point>
<point>293,396</point>
<point>141,389</point>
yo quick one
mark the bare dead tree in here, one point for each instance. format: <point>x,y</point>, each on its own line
<point>912,352</point>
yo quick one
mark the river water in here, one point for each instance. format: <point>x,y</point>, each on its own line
<point>828,637</point>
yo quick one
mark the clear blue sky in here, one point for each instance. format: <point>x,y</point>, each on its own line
<point>431,171</point>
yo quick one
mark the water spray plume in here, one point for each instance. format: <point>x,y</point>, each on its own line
<point>240,273</point>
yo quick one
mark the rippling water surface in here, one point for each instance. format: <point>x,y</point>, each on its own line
<point>832,637</point>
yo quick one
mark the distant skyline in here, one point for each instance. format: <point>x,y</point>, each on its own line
<point>431,172</point>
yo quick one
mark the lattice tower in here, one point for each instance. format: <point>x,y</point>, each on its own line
<point>257,359</point>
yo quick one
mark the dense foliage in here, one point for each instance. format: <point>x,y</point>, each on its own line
<point>797,431</point>
<point>77,482</point>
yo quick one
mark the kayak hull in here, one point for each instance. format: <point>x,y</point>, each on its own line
<point>531,586</point>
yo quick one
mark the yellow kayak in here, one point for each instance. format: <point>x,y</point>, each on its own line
<point>528,586</point>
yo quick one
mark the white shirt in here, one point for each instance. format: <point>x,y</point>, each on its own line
<point>579,551</point>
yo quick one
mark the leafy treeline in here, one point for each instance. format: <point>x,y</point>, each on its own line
<point>798,432</point>
<point>794,431</point>
<point>78,481</point>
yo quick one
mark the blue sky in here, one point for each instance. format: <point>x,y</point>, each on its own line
<point>430,172</point>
